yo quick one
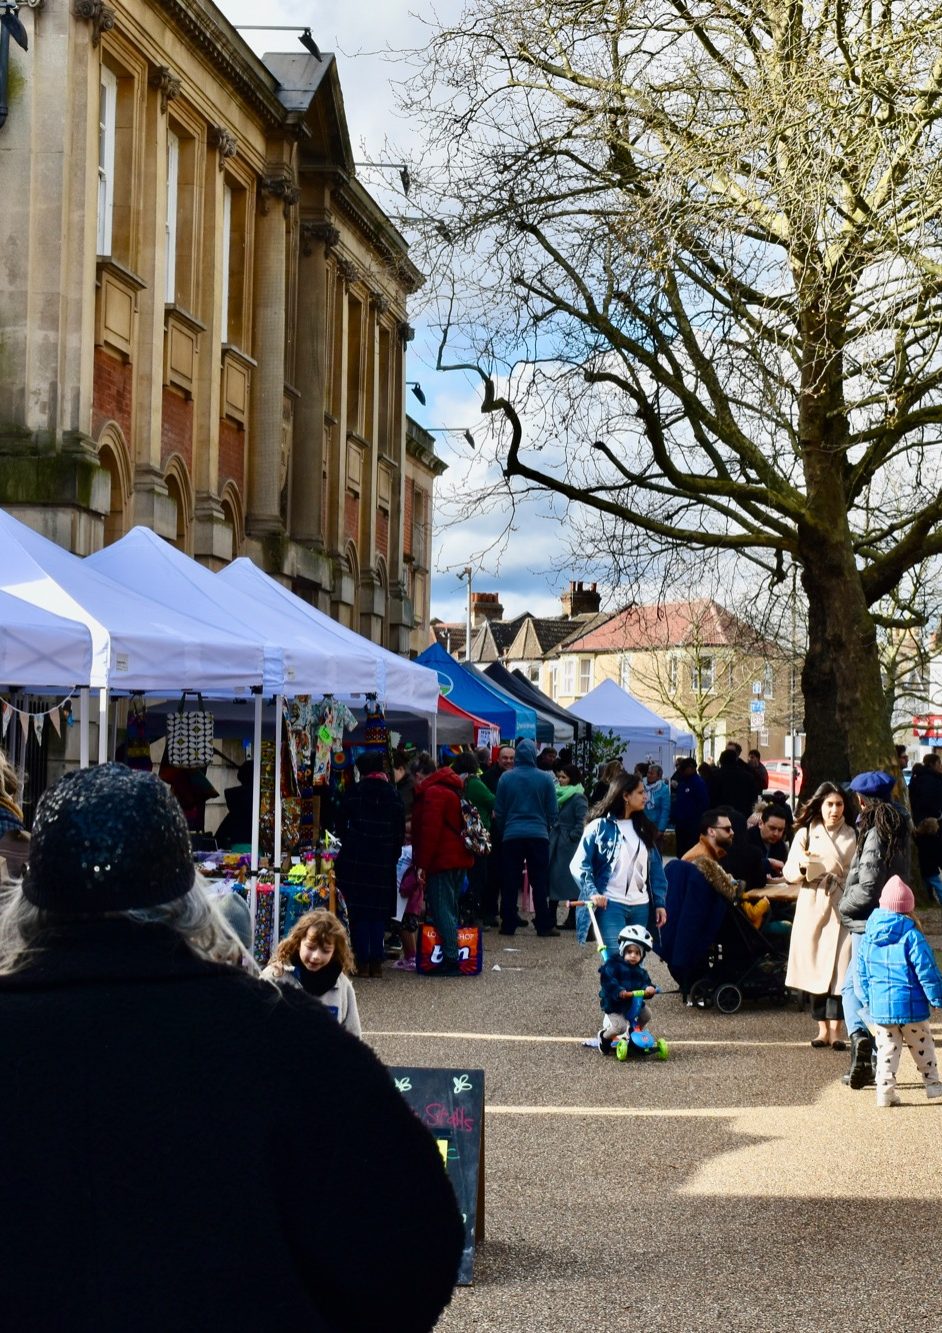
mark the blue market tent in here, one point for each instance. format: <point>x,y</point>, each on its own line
<point>470,692</point>
<point>545,730</point>
<point>566,726</point>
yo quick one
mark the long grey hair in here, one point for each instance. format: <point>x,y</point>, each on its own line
<point>195,917</point>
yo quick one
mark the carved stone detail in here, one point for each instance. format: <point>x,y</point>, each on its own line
<point>318,231</point>
<point>406,332</point>
<point>101,17</point>
<point>278,187</point>
<point>168,84</point>
<point>224,141</point>
<point>380,302</point>
<point>348,272</point>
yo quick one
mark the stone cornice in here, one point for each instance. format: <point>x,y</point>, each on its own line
<point>218,44</point>
<point>372,223</point>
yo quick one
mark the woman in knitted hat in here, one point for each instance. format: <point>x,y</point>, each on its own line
<point>900,981</point>
<point>153,1089</point>
<point>882,851</point>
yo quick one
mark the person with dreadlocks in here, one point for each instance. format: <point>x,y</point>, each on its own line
<point>882,852</point>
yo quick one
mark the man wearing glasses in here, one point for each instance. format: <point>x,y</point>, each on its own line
<point>716,838</point>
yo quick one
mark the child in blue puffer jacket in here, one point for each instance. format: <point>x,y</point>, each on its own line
<point>900,981</point>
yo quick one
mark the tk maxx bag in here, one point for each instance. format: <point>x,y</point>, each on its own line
<point>474,835</point>
<point>429,956</point>
<point>189,736</point>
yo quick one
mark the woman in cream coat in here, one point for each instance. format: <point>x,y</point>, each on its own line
<point>822,850</point>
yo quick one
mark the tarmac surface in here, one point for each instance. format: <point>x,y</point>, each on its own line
<point>735,1186</point>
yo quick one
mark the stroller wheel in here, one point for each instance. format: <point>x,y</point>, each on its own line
<point>728,999</point>
<point>700,995</point>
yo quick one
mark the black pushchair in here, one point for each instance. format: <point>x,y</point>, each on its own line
<point>712,949</point>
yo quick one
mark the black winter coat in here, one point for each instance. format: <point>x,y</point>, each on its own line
<point>371,827</point>
<point>187,1148</point>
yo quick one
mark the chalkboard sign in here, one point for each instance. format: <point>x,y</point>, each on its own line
<point>450,1103</point>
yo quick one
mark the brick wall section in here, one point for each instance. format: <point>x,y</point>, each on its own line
<point>351,516</point>
<point>382,532</point>
<point>111,393</point>
<point>231,454</point>
<point>407,512</point>
<point>176,428</point>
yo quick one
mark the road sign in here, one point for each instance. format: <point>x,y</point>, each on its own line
<point>757,687</point>
<point>757,707</point>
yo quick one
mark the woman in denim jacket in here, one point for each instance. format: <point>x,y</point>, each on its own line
<point>618,866</point>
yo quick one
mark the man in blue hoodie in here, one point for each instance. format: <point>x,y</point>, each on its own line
<point>524,812</point>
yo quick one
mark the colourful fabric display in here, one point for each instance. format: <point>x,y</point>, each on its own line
<point>332,719</point>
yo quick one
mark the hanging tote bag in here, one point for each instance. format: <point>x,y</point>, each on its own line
<point>474,835</point>
<point>190,736</point>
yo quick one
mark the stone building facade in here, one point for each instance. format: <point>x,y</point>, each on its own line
<point>203,314</point>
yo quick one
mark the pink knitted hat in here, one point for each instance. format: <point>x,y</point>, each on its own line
<point>897,896</point>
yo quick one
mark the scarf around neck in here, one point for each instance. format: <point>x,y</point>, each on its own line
<point>320,982</point>
<point>564,794</point>
<point>7,803</point>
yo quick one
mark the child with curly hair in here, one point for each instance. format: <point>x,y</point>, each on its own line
<point>316,956</point>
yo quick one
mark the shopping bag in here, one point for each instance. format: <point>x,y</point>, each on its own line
<point>190,736</point>
<point>429,956</point>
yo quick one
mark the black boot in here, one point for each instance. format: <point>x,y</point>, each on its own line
<point>861,1074</point>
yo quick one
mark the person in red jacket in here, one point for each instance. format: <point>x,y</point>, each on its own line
<point>439,854</point>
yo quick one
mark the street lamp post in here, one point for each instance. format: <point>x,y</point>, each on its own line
<point>466,574</point>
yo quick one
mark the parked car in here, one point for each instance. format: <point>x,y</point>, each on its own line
<point>780,771</point>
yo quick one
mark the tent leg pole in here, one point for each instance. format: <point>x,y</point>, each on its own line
<point>256,807</point>
<point>433,736</point>
<point>276,904</point>
<point>83,728</point>
<point>103,726</point>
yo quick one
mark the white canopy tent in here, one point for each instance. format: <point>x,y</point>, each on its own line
<point>138,644</point>
<point>646,736</point>
<point>295,660</point>
<point>39,650</point>
<point>397,683</point>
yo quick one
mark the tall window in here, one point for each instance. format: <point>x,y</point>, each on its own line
<point>672,673</point>
<point>624,671</point>
<point>569,677</point>
<point>702,674</point>
<point>170,226</point>
<point>107,117</point>
<point>769,681</point>
<point>226,254</point>
<point>585,675</point>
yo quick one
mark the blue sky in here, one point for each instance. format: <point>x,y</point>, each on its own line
<point>363,36</point>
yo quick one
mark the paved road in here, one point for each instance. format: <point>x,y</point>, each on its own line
<point>737,1186</point>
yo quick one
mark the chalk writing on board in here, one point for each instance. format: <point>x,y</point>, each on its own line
<point>437,1116</point>
<point>462,1083</point>
<point>403,1084</point>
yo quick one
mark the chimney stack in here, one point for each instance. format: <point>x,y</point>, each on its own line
<point>582,599</point>
<point>485,606</point>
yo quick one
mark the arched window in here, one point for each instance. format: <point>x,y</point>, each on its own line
<point>114,460</point>
<point>180,492</point>
<point>234,519</point>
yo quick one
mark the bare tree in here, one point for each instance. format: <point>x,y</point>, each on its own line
<point>695,251</point>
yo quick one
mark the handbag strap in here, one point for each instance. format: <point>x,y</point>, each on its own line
<point>199,698</point>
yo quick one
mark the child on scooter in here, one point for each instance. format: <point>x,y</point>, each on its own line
<point>621,974</point>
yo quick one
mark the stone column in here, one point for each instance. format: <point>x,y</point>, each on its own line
<point>308,463</point>
<point>277,192</point>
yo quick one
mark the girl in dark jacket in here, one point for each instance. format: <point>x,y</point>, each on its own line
<point>439,854</point>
